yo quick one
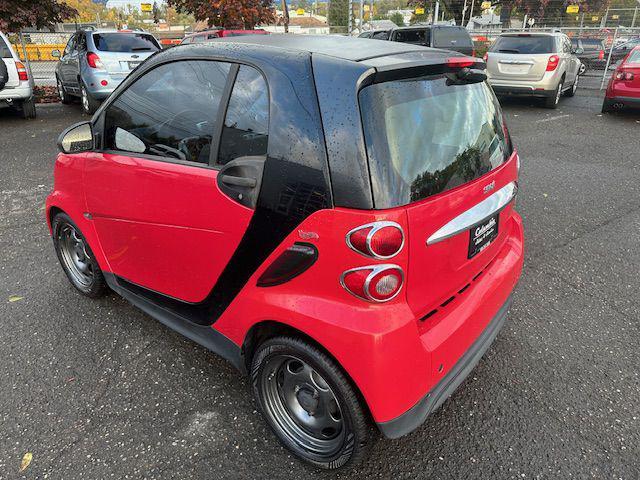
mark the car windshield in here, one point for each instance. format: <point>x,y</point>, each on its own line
<point>4,49</point>
<point>125,42</point>
<point>425,136</point>
<point>523,44</point>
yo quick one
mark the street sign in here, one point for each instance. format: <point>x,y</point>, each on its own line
<point>419,11</point>
<point>573,8</point>
<point>531,21</point>
<point>595,18</point>
<point>300,11</point>
<point>146,7</point>
<point>485,5</point>
<point>615,17</point>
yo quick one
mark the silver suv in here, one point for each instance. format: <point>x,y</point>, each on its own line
<point>94,63</point>
<point>15,87</point>
<point>533,64</point>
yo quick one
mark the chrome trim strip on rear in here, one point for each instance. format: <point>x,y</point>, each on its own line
<point>476,214</point>
<point>516,62</point>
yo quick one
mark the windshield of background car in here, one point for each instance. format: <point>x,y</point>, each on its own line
<point>425,137</point>
<point>125,42</point>
<point>4,49</point>
<point>531,44</point>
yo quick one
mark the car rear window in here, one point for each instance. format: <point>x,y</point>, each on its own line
<point>523,44</point>
<point>592,44</point>
<point>447,37</point>
<point>634,57</point>
<point>415,37</point>
<point>125,42</point>
<point>4,49</point>
<point>425,137</point>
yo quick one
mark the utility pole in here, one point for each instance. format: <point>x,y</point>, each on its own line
<point>350,26</point>
<point>581,22</point>
<point>436,11</point>
<point>635,13</point>
<point>464,10</point>
<point>285,15</point>
<point>604,19</point>
<point>473,2</point>
<point>361,15</point>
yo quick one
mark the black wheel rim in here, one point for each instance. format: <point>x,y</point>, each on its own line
<point>75,258</point>
<point>302,407</point>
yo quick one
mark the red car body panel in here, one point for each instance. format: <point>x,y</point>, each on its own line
<point>378,342</point>
<point>625,89</point>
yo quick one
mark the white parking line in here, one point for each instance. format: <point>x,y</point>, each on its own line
<point>552,118</point>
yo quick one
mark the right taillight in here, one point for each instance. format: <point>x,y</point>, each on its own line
<point>622,75</point>
<point>93,60</point>
<point>22,72</point>
<point>374,283</point>
<point>601,55</point>
<point>552,63</point>
<point>381,240</point>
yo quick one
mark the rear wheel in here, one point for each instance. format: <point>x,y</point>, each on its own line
<point>308,402</point>
<point>552,100</point>
<point>76,257</point>
<point>64,96</point>
<point>89,103</point>
<point>28,108</point>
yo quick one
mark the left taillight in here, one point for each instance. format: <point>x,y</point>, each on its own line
<point>601,55</point>
<point>552,63</point>
<point>622,75</point>
<point>93,60</point>
<point>381,240</point>
<point>374,283</point>
<point>22,71</point>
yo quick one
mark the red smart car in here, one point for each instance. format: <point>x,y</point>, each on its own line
<point>623,89</point>
<point>338,224</point>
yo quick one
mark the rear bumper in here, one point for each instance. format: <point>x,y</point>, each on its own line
<point>519,91</point>
<point>633,102</point>
<point>21,92</point>
<point>414,417</point>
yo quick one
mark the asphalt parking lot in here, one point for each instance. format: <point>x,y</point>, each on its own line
<point>98,390</point>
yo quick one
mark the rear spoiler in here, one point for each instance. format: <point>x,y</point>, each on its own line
<point>461,67</point>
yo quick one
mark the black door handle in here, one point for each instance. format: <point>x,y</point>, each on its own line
<point>239,181</point>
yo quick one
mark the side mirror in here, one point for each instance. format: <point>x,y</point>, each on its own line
<point>77,138</point>
<point>55,53</point>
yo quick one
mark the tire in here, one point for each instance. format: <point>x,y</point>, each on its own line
<point>309,404</point>
<point>89,104</point>
<point>62,93</point>
<point>76,257</point>
<point>574,88</point>
<point>28,108</point>
<point>606,106</point>
<point>552,101</point>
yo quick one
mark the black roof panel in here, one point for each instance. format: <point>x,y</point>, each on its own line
<point>347,48</point>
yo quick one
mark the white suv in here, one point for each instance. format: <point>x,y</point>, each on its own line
<point>15,88</point>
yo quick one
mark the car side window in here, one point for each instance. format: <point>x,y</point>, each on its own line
<point>169,112</point>
<point>70,45</point>
<point>246,125</point>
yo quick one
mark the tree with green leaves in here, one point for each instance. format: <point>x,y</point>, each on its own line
<point>16,15</point>
<point>397,18</point>
<point>338,13</point>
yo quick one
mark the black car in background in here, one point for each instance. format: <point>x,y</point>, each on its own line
<point>590,51</point>
<point>447,37</point>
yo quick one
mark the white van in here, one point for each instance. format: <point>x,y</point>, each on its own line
<point>15,88</point>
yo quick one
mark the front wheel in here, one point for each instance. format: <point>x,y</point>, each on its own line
<point>554,98</point>
<point>309,403</point>
<point>76,258</point>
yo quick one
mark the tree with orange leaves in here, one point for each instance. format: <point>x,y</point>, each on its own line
<point>229,14</point>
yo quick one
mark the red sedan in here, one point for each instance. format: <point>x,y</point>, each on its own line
<point>624,87</point>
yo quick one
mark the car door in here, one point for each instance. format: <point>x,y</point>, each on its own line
<point>573,64</point>
<point>73,66</point>
<point>65,60</point>
<point>165,217</point>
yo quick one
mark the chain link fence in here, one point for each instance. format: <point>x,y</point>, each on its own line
<point>35,50</point>
<point>599,49</point>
